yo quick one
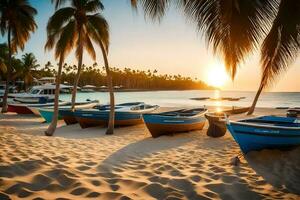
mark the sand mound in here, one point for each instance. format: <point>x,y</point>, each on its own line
<point>87,164</point>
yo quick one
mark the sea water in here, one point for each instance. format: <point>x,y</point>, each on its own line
<point>183,98</point>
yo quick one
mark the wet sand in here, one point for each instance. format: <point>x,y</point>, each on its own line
<point>87,164</point>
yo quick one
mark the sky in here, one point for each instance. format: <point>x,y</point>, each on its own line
<point>172,46</point>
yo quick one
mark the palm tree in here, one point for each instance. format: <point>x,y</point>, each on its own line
<point>281,45</point>
<point>86,25</point>
<point>59,36</point>
<point>17,21</point>
<point>29,63</point>
<point>233,28</point>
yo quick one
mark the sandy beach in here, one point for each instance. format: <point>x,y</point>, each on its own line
<point>87,164</point>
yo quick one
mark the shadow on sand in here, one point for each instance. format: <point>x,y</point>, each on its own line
<point>279,168</point>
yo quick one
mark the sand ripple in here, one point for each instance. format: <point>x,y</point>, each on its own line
<point>87,164</point>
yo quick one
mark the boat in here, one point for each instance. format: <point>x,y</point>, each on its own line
<point>47,112</point>
<point>68,115</point>
<point>126,114</point>
<point>40,94</point>
<point>216,120</point>
<point>266,132</point>
<point>183,120</point>
<point>88,88</point>
<point>34,108</point>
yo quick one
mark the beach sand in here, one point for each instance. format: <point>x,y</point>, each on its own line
<point>87,164</point>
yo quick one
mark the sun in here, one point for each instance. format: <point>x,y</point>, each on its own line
<point>216,75</point>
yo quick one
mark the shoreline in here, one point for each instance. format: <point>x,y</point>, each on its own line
<point>87,164</point>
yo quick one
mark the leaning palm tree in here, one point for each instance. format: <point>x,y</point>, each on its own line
<point>233,28</point>
<point>17,21</point>
<point>281,46</point>
<point>79,11</point>
<point>85,26</point>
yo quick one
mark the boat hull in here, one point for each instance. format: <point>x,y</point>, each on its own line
<point>68,117</point>
<point>162,125</point>
<point>88,119</point>
<point>35,110</point>
<point>48,115</point>
<point>19,109</point>
<point>255,138</point>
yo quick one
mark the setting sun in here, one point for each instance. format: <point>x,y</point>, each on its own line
<point>216,75</point>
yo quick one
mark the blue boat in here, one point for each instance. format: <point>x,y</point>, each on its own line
<point>47,113</point>
<point>266,132</point>
<point>126,114</point>
<point>175,121</point>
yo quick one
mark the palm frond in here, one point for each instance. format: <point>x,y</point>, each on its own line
<point>59,3</point>
<point>233,28</point>
<point>155,9</point>
<point>282,44</point>
<point>66,41</point>
<point>98,29</point>
<point>59,18</point>
<point>93,6</point>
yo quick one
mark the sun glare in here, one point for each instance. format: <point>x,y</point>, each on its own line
<point>216,75</point>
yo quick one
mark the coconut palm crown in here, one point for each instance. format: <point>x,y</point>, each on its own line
<point>17,23</point>
<point>76,26</point>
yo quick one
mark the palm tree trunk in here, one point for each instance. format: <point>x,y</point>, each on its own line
<point>74,92</point>
<point>111,122</point>
<point>8,74</point>
<point>251,110</point>
<point>52,127</point>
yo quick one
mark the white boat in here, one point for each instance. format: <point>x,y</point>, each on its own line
<point>88,88</point>
<point>34,108</point>
<point>39,94</point>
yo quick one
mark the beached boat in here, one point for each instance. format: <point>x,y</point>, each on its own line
<point>68,115</point>
<point>265,132</point>
<point>183,120</point>
<point>216,120</point>
<point>34,108</point>
<point>126,114</point>
<point>29,108</point>
<point>47,113</point>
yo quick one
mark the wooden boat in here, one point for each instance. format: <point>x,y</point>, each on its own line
<point>68,115</point>
<point>35,107</point>
<point>217,125</point>
<point>126,114</point>
<point>28,108</point>
<point>47,113</point>
<point>265,132</point>
<point>175,121</point>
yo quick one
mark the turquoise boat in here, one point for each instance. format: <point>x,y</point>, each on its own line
<point>266,132</point>
<point>47,113</point>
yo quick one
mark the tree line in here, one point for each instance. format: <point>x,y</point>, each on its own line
<point>27,70</point>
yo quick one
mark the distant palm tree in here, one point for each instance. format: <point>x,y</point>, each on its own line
<point>234,28</point>
<point>29,63</point>
<point>86,25</point>
<point>17,21</point>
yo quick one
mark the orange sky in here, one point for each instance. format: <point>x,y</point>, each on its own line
<point>172,46</point>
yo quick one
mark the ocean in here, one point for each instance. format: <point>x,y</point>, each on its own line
<point>182,98</point>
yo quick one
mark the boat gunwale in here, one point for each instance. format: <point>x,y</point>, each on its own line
<point>162,115</point>
<point>261,125</point>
